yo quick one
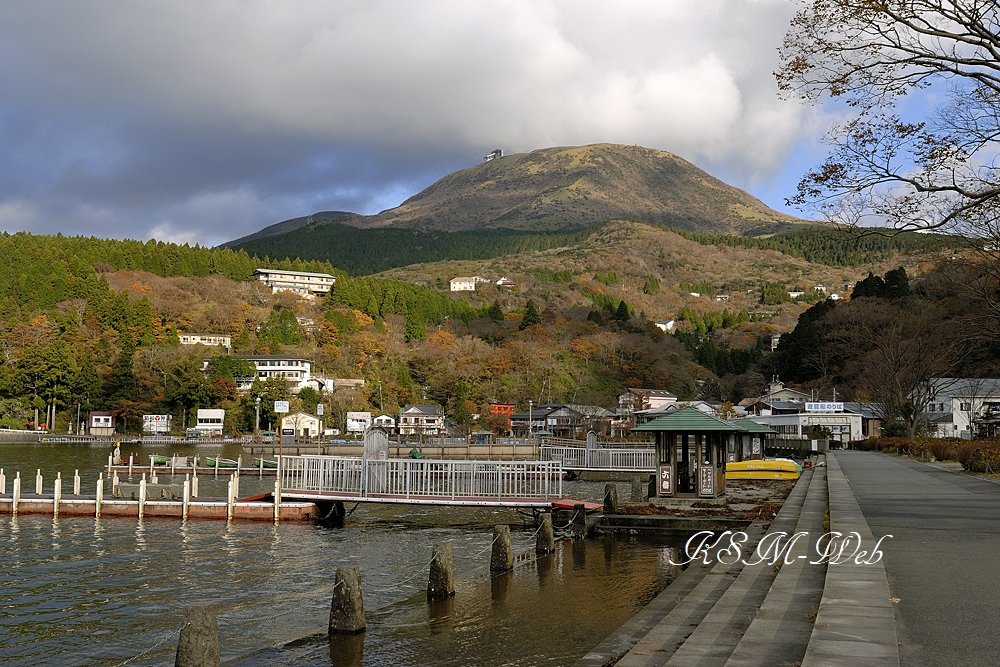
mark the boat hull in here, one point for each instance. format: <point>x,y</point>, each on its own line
<point>763,469</point>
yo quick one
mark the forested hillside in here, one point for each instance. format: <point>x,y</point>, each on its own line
<point>366,251</point>
<point>40,271</point>
<point>95,324</point>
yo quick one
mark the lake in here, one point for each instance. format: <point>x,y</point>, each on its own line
<point>79,591</point>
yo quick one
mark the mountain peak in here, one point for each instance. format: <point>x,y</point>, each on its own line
<point>569,187</point>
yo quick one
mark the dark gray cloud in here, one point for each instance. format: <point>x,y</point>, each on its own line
<point>204,121</point>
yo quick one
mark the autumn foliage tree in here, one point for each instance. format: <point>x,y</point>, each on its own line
<point>932,169</point>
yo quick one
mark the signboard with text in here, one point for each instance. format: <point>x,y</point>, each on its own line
<point>824,407</point>
<point>156,423</point>
<point>281,406</point>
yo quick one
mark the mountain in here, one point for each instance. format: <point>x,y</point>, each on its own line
<point>287,226</point>
<point>563,189</point>
<point>574,187</point>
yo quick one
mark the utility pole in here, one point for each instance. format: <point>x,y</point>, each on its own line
<point>256,426</point>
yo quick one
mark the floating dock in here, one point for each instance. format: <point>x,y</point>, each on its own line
<point>257,508</point>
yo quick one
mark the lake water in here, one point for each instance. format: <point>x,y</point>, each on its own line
<point>79,591</point>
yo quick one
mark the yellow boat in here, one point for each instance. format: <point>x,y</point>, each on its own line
<point>763,469</point>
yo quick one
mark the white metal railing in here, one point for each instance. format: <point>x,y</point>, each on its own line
<point>422,478</point>
<point>581,458</point>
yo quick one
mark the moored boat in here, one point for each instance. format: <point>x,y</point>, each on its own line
<point>216,462</point>
<point>763,469</point>
<point>264,463</point>
<point>159,459</point>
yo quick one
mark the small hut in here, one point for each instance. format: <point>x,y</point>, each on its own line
<point>751,441</point>
<point>691,453</point>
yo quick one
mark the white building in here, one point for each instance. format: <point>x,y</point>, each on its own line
<point>300,425</point>
<point>210,422</point>
<point>301,282</point>
<point>463,284</point>
<point>100,423</point>
<point>420,419</point>
<point>963,408</point>
<point>385,421</point>
<point>295,370</point>
<point>358,422</point>
<point>831,417</point>
<point>666,326</point>
<point>212,340</point>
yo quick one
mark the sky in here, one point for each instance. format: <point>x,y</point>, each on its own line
<point>200,122</point>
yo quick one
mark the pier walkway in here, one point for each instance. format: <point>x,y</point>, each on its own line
<point>800,611</point>
<point>943,559</point>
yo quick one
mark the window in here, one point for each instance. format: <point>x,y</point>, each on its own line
<point>964,406</point>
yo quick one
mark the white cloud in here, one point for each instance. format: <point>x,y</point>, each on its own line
<point>214,101</point>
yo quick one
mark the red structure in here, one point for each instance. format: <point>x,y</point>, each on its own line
<point>502,411</point>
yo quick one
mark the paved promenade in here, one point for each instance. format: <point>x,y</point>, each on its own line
<point>943,562</point>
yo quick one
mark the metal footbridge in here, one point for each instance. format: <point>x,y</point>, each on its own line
<point>526,484</point>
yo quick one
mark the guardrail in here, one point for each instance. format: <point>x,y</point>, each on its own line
<point>580,458</point>
<point>422,478</point>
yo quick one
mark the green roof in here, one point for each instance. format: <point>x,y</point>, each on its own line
<point>751,426</point>
<point>688,420</point>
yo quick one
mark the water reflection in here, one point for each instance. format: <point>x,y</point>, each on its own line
<point>346,650</point>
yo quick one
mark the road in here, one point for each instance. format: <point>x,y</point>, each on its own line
<point>943,562</point>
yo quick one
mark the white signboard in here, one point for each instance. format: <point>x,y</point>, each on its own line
<point>358,422</point>
<point>824,407</point>
<point>319,409</point>
<point>281,406</point>
<point>156,423</point>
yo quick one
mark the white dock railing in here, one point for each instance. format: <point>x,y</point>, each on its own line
<point>581,458</point>
<point>417,479</point>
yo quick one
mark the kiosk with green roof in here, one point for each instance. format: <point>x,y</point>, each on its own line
<point>691,453</point>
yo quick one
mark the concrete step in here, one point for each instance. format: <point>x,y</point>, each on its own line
<point>780,631</point>
<point>685,608</point>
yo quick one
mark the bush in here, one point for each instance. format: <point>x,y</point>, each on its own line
<point>980,456</point>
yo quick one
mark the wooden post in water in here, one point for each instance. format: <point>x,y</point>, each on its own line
<point>610,499</point>
<point>151,464</point>
<point>3,482</point>
<point>100,496</point>
<point>173,463</point>
<point>277,500</point>
<point>187,497</point>
<point>579,520</point>
<point>236,484</point>
<point>347,609</point>
<point>260,473</point>
<point>38,482</point>
<point>217,466</point>
<point>56,494</point>
<point>76,482</point>
<point>502,558</point>
<point>198,644</point>
<point>194,484</point>
<point>114,483</point>
<point>17,492</point>
<point>142,494</point>
<point>441,581</point>
<point>229,500</point>
<point>545,542</point>
<point>130,457</point>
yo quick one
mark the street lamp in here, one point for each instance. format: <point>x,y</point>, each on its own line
<point>529,418</point>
